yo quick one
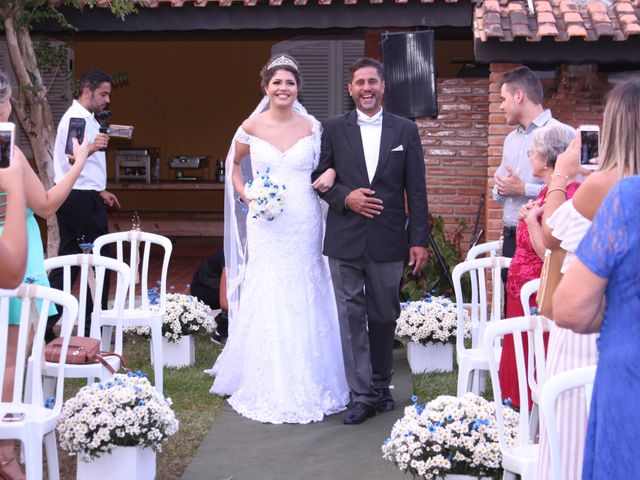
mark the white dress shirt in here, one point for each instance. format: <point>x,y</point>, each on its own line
<point>370,131</point>
<point>94,173</point>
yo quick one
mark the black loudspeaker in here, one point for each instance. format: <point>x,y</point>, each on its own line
<point>409,73</point>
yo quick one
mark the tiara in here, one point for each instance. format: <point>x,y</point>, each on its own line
<point>282,60</point>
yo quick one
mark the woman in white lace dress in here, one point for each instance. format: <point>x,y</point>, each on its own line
<point>282,362</point>
<point>565,224</point>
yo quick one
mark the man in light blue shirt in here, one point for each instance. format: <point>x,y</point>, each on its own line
<point>514,183</point>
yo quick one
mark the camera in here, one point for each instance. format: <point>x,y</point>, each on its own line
<point>117,131</point>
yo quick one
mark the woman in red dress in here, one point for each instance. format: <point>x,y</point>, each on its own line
<point>549,142</point>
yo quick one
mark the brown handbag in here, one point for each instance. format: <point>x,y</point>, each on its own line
<point>82,350</point>
<point>549,279</point>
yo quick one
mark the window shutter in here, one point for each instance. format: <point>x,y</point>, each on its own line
<point>60,93</point>
<point>324,64</point>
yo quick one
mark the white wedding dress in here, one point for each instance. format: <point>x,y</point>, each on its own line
<point>283,361</point>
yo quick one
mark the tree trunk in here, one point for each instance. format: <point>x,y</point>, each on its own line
<point>32,108</point>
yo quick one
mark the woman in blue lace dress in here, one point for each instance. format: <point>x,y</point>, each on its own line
<point>601,293</point>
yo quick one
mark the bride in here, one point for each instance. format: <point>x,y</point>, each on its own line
<point>282,362</point>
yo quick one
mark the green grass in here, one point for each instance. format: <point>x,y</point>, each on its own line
<point>194,406</point>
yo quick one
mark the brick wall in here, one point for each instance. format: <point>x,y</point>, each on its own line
<point>455,151</point>
<point>575,96</point>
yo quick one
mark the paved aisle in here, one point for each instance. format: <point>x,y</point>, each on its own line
<point>240,449</point>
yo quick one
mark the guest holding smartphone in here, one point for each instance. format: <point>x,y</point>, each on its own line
<point>43,203</point>
<point>564,225</point>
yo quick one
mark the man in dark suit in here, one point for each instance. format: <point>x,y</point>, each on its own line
<point>377,157</point>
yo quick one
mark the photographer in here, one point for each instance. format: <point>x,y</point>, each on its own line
<point>83,216</point>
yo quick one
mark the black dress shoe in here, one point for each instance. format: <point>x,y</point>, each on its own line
<point>385,401</point>
<point>358,413</point>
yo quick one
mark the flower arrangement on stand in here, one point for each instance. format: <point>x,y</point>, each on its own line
<point>429,327</point>
<point>184,316</point>
<point>448,436</point>
<point>124,411</point>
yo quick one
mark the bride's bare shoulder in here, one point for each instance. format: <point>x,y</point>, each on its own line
<point>253,124</point>
<point>304,123</point>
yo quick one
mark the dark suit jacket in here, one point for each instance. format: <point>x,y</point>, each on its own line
<point>400,168</point>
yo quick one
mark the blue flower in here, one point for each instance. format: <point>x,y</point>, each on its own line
<point>49,402</point>
<point>414,398</point>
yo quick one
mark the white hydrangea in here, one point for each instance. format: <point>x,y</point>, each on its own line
<point>432,320</point>
<point>125,410</point>
<point>184,315</point>
<point>449,435</point>
<point>267,196</point>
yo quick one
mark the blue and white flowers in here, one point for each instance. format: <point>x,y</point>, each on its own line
<point>183,315</point>
<point>449,435</point>
<point>432,320</point>
<point>267,196</point>
<point>125,410</point>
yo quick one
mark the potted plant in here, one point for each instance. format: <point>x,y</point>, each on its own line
<point>184,316</point>
<point>116,427</point>
<point>432,279</point>
<point>449,438</point>
<point>428,327</point>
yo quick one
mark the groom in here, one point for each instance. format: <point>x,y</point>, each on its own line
<point>378,158</point>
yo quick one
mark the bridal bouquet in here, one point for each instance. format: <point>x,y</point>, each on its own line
<point>266,196</point>
<point>449,435</point>
<point>431,320</point>
<point>183,315</point>
<point>125,411</point>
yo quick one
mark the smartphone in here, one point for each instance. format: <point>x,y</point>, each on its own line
<point>13,417</point>
<point>76,130</point>
<point>589,151</point>
<point>7,140</point>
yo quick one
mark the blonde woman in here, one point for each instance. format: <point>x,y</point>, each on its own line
<point>565,224</point>
<point>44,203</point>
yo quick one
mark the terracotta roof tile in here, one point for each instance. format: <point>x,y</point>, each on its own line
<point>561,19</point>
<point>547,30</point>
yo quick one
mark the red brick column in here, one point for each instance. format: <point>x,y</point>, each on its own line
<point>455,150</point>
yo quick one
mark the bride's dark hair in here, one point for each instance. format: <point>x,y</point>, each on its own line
<point>281,61</point>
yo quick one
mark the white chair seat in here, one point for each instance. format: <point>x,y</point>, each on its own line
<point>72,370</point>
<point>39,418</point>
<point>522,459</point>
<point>132,318</point>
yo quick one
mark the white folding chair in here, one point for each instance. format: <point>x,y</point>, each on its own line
<point>536,354</point>
<point>568,380</point>
<point>522,459</point>
<point>101,265</point>
<point>488,249</point>
<point>140,313</point>
<point>39,422</point>
<point>473,361</point>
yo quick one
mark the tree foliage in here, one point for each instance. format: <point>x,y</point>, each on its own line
<point>29,60</point>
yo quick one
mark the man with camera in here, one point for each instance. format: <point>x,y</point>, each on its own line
<point>83,216</point>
